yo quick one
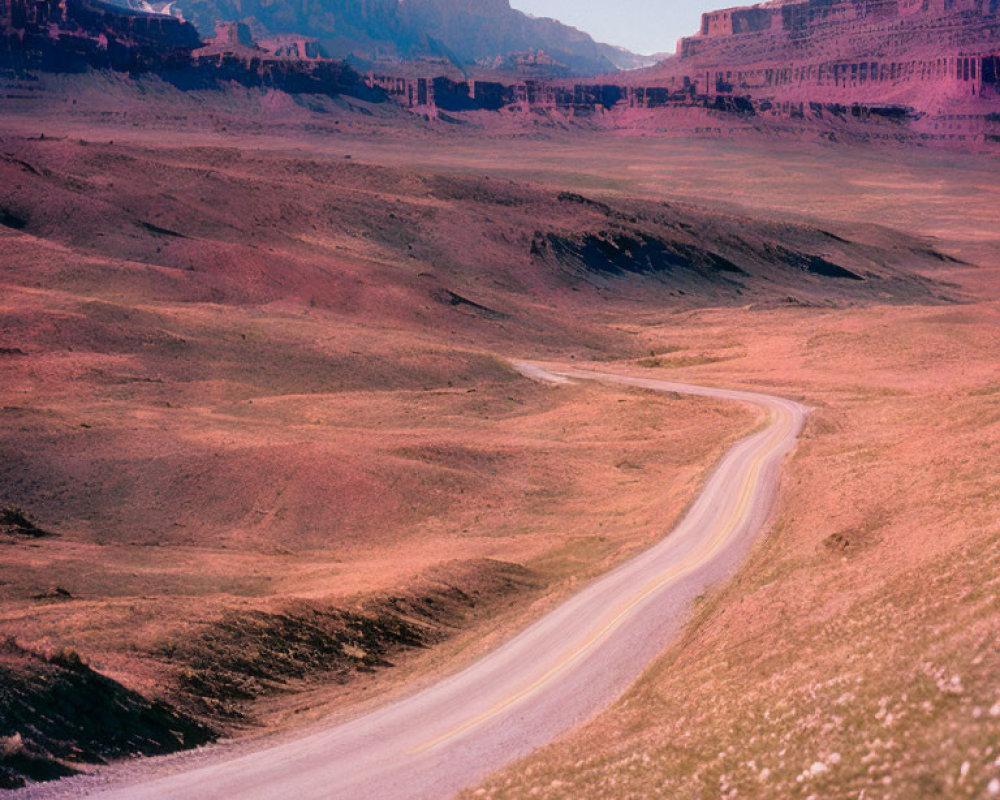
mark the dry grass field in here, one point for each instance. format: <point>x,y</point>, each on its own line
<point>247,467</point>
<point>855,655</point>
<point>257,396</point>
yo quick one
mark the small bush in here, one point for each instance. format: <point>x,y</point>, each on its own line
<point>11,745</point>
<point>67,657</point>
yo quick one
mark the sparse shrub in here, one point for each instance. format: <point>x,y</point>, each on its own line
<point>9,646</point>
<point>353,651</point>
<point>14,521</point>
<point>11,745</point>
<point>67,657</point>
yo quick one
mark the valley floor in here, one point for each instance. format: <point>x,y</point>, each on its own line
<point>856,653</point>
<point>257,394</point>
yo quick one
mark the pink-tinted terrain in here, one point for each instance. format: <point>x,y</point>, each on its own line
<point>265,461</point>
<point>928,70</point>
<point>892,70</point>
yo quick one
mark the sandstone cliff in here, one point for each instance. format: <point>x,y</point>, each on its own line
<point>464,32</point>
<point>926,70</point>
<point>903,70</point>
<point>71,35</point>
<point>77,35</point>
<point>923,53</point>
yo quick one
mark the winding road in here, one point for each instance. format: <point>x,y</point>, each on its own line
<point>554,675</point>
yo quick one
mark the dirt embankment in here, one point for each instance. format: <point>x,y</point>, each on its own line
<point>260,403</point>
<point>61,716</point>
<point>225,666</point>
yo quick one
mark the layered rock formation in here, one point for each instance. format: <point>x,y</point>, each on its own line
<point>288,63</point>
<point>934,64</point>
<point>75,35</point>
<point>890,69</point>
<point>71,35</point>
<point>462,32</point>
<point>904,51</point>
<point>929,69</point>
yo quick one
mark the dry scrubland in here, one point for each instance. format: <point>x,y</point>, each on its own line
<point>259,401</point>
<point>856,654</point>
<point>262,452</point>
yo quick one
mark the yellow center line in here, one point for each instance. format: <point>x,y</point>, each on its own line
<point>687,566</point>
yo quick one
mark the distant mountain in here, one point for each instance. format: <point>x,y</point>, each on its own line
<point>625,59</point>
<point>464,32</point>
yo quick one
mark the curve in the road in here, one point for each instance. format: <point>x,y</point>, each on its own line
<point>551,677</point>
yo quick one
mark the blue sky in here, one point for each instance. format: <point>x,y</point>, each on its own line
<point>644,26</point>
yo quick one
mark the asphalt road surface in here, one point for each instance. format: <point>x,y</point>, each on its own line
<point>554,675</point>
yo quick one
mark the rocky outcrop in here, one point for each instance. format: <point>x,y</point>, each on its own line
<point>918,70</point>
<point>915,51</point>
<point>465,33</point>
<point>75,35</point>
<point>925,69</point>
<point>447,94</point>
<point>71,35</point>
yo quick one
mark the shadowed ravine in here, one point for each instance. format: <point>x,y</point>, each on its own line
<point>559,672</point>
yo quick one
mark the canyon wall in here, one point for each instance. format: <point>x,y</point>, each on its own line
<point>925,70</point>
<point>930,68</point>
<point>72,35</point>
<point>462,32</point>
<point>921,52</point>
<point>77,35</point>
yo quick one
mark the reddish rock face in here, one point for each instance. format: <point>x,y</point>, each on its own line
<point>74,35</point>
<point>886,69</point>
<point>926,69</point>
<point>462,32</point>
<point>932,63</point>
<point>917,52</point>
<point>70,35</point>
